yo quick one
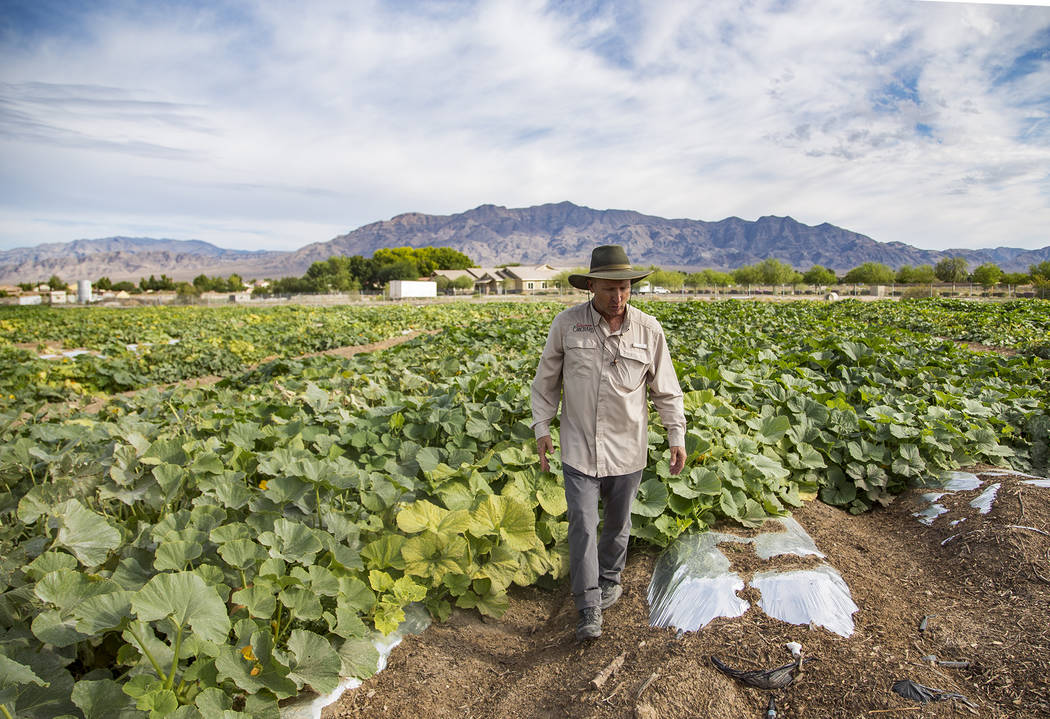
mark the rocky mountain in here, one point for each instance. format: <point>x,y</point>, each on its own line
<point>562,234</point>
<point>130,258</point>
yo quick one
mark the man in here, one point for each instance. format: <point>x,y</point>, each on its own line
<point>602,358</point>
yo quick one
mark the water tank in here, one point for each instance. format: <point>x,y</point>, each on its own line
<point>83,291</point>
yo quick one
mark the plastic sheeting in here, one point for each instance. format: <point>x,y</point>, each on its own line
<point>692,584</point>
<point>928,515</point>
<point>983,503</point>
<point>416,620</point>
<point>960,481</point>
<point>817,597</point>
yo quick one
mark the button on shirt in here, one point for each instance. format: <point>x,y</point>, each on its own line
<point>604,378</point>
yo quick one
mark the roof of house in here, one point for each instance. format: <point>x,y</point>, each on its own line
<point>538,272</point>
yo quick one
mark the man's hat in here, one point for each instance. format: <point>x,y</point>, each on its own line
<point>608,262</point>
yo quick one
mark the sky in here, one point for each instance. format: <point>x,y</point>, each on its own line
<point>271,124</point>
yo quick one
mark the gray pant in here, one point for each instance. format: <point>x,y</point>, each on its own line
<point>591,557</point>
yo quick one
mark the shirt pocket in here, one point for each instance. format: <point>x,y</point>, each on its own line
<point>581,356</point>
<point>631,368</point>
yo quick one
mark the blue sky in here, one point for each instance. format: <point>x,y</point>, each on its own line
<point>270,125</point>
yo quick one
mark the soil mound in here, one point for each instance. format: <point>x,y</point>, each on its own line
<point>975,591</point>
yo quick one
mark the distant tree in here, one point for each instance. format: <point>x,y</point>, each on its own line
<point>27,286</point>
<point>668,279</point>
<point>1041,278</point>
<point>124,286</point>
<point>443,283</point>
<point>186,290</point>
<point>988,275</point>
<point>103,283</point>
<point>55,283</point>
<point>463,282</point>
<point>951,269</point>
<point>746,275</point>
<point>772,271</point>
<point>401,270</point>
<point>165,283</point>
<point>446,258</point>
<point>819,276</point>
<point>871,273</point>
<point>1016,278</point>
<point>923,274</point>
<point>1040,271</point>
<point>561,280</point>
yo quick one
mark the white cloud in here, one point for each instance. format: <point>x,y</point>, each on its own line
<point>254,125</point>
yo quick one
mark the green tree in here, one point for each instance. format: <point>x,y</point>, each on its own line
<point>401,270</point>
<point>165,283</point>
<point>952,269</point>
<point>463,282</point>
<point>819,276</point>
<point>746,275</point>
<point>1016,278</point>
<point>772,271</point>
<point>871,273</point>
<point>669,279</point>
<point>103,283</point>
<point>1041,278</point>
<point>988,275</point>
<point>908,275</point>
<point>445,258</point>
<point>443,283</point>
<point>56,283</point>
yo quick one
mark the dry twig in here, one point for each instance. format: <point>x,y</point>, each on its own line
<point>612,668</point>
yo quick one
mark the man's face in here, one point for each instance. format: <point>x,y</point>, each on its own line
<point>610,296</point>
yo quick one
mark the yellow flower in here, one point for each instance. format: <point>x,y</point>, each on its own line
<point>248,654</point>
<point>262,485</point>
<point>256,670</point>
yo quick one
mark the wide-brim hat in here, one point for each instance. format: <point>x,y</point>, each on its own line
<point>608,262</point>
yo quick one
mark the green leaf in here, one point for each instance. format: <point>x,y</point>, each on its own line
<point>291,541</point>
<point>89,536</point>
<point>176,555</point>
<point>432,555</point>
<point>104,699</point>
<point>259,599</point>
<point>511,521</point>
<point>242,553</point>
<point>359,658</point>
<point>301,602</point>
<point>314,662</point>
<point>773,429</point>
<point>186,600</point>
<point>13,674</point>
<point>103,613</point>
<point>384,553</point>
<point>421,515</point>
<point>651,499</point>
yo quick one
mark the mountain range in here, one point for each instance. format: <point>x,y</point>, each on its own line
<point>561,234</point>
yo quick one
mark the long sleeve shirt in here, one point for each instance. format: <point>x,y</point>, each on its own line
<point>603,380</point>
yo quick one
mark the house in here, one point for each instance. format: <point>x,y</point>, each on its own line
<point>487,280</point>
<point>525,280</point>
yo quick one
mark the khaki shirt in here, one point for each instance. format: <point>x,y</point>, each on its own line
<point>604,377</point>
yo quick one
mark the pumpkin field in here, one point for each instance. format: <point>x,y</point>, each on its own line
<point>216,549</point>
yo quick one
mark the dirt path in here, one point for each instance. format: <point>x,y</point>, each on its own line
<point>97,404</point>
<point>986,592</point>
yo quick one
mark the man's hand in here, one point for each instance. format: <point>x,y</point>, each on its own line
<point>545,446</point>
<point>677,459</point>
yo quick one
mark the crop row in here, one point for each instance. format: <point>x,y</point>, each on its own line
<point>210,552</point>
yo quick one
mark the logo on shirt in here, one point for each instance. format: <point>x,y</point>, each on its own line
<point>580,327</point>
